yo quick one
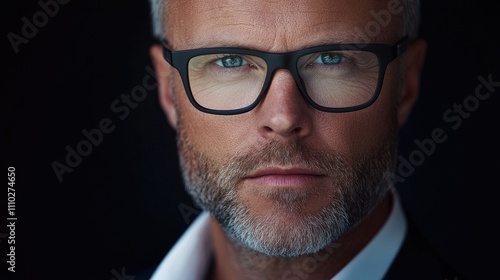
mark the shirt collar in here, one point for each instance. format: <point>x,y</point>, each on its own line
<point>189,258</point>
<point>374,260</point>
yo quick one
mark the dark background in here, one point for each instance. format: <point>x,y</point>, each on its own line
<point>118,211</point>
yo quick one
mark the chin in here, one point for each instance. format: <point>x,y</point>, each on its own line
<point>287,223</point>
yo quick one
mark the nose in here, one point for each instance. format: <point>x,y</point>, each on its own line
<point>284,113</point>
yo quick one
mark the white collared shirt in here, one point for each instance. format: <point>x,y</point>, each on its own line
<point>190,257</point>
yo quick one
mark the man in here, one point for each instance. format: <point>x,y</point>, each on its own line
<point>287,115</point>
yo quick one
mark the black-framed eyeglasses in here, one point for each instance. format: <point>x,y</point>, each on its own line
<point>332,78</point>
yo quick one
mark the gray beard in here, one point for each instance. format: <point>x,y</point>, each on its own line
<point>285,230</point>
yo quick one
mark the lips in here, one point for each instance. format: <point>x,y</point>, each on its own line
<point>284,177</point>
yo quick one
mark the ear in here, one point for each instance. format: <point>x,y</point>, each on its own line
<point>165,88</point>
<point>414,62</point>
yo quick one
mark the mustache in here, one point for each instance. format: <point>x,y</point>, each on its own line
<point>285,154</point>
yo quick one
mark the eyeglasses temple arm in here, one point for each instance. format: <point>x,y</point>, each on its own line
<point>401,46</point>
<point>167,53</point>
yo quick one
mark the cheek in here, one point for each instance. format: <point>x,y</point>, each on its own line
<point>357,133</point>
<point>373,127</point>
<point>193,124</point>
<point>380,119</point>
<point>209,134</point>
<point>216,136</point>
<point>352,134</point>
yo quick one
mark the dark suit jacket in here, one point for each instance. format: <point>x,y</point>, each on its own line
<point>417,259</point>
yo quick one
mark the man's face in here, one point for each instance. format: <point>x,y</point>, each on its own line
<point>284,179</point>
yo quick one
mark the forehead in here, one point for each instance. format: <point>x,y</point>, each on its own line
<point>280,25</point>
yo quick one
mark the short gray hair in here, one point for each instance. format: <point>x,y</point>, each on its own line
<point>157,18</point>
<point>411,17</point>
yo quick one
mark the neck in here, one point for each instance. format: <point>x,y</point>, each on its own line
<point>235,261</point>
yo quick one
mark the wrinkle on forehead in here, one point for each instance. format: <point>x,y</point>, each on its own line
<point>268,25</point>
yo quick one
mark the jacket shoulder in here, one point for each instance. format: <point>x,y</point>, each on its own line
<point>419,259</point>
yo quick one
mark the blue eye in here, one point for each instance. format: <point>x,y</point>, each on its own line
<point>231,61</point>
<point>330,58</point>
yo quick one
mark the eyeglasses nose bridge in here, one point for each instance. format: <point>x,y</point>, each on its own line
<point>276,61</point>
